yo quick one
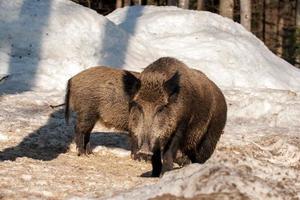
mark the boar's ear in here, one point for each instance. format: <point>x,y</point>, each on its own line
<point>131,83</point>
<point>171,86</point>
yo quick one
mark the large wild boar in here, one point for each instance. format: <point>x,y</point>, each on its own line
<point>98,94</point>
<point>175,108</point>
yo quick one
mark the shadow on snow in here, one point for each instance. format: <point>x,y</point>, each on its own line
<point>25,45</point>
<point>121,48</point>
<point>54,138</point>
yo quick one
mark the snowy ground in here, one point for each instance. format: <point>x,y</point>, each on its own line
<point>257,157</point>
<point>35,162</point>
<point>43,43</point>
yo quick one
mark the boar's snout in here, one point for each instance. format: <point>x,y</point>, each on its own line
<point>144,153</point>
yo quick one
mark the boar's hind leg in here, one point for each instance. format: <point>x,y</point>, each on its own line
<point>207,144</point>
<point>83,130</point>
<point>133,146</point>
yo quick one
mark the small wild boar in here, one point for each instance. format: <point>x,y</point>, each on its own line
<point>98,94</point>
<point>175,108</point>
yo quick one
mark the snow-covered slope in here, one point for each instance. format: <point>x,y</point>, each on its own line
<point>223,49</point>
<point>43,43</point>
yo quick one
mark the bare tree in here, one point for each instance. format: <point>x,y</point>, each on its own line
<point>200,5</point>
<point>89,3</point>
<point>271,24</point>
<point>245,6</point>
<point>226,8</point>
<point>137,2</point>
<point>172,2</point>
<point>118,3</point>
<point>183,4</point>
<point>297,59</point>
<point>126,2</point>
<point>298,14</point>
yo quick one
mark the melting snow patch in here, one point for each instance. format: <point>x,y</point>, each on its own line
<point>116,151</point>
<point>3,137</point>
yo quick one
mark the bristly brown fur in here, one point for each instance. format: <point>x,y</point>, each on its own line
<point>98,94</point>
<point>176,108</point>
<point>67,99</point>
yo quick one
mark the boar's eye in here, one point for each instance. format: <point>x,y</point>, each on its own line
<point>160,109</point>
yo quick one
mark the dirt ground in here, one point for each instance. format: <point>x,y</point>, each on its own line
<point>69,175</point>
<point>38,160</point>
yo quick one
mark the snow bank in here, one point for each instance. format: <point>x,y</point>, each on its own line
<point>223,49</point>
<point>43,43</point>
<point>263,107</point>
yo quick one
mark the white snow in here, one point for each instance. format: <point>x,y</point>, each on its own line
<point>44,43</point>
<point>3,137</point>
<point>223,49</point>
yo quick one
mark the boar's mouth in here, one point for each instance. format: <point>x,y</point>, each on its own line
<point>144,153</point>
<point>141,155</point>
<point>146,149</point>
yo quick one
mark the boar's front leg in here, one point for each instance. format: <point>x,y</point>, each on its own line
<point>83,129</point>
<point>156,163</point>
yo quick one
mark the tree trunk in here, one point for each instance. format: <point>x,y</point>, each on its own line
<point>200,5</point>
<point>126,2</point>
<point>245,6</point>
<point>297,59</point>
<point>118,3</point>
<point>271,24</point>
<point>226,8</point>
<point>89,3</point>
<point>298,14</point>
<point>183,4</point>
<point>257,18</point>
<point>172,3</point>
<point>287,32</point>
<point>137,2</point>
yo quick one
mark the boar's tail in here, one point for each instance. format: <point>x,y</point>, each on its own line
<point>67,102</point>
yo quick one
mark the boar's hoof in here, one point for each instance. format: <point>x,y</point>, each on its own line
<point>166,168</point>
<point>156,173</point>
<point>81,151</point>
<point>84,151</point>
<point>88,149</point>
<point>182,159</point>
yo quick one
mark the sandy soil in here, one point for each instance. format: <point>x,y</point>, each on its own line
<point>35,161</point>
<point>38,160</point>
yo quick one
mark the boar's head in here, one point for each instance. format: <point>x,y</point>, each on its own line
<point>154,110</point>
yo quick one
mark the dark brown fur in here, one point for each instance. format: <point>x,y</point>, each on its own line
<point>175,108</point>
<point>98,94</point>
